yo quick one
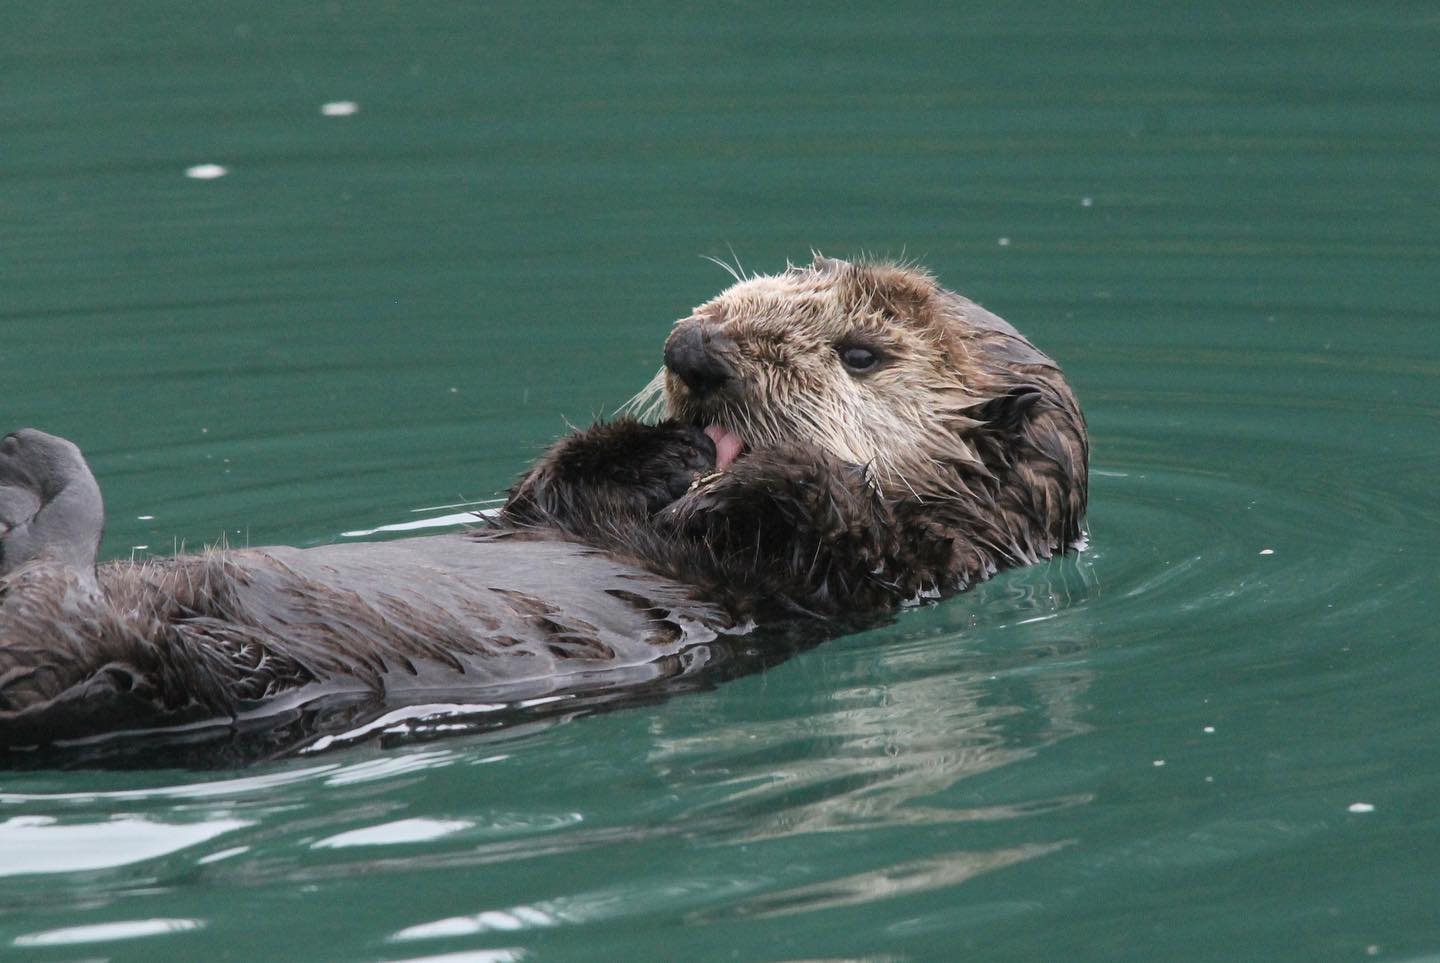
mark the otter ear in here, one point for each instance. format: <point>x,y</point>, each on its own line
<point>898,291</point>
<point>1039,453</point>
<point>1009,411</point>
<point>821,264</point>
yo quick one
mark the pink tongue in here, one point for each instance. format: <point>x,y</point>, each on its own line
<point>728,446</point>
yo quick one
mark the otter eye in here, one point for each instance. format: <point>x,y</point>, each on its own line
<point>857,358</point>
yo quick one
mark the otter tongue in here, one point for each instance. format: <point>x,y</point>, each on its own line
<point>728,446</point>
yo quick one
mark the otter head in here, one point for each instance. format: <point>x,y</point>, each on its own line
<point>873,362</point>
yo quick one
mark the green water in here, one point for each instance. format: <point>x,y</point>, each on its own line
<point>1224,219</point>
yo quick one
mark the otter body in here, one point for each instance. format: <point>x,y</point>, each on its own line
<point>822,445</point>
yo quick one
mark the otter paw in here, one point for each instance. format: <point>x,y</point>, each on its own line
<point>50,505</point>
<point>654,463</point>
<point>618,466</point>
<point>684,455</point>
<point>772,494</point>
<point>648,466</point>
<point>758,492</point>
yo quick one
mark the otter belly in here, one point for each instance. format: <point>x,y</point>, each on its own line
<point>454,613</point>
<point>282,649</point>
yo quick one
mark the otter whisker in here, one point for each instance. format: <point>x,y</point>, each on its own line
<point>738,265</point>
<point>648,403</point>
<point>726,267</point>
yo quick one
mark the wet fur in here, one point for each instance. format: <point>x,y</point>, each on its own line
<point>964,454</point>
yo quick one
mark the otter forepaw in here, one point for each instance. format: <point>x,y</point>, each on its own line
<point>680,455</point>
<point>811,527</point>
<point>770,494</point>
<point>50,505</point>
<point>623,465</point>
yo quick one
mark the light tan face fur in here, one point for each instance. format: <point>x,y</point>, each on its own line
<point>902,420</point>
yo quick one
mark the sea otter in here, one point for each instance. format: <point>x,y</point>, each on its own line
<point>824,444</point>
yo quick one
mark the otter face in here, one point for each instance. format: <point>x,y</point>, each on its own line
<point>867,361</point>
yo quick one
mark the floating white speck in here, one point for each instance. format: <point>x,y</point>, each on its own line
<point>1361,808</point>
<point>1267,551</point>
<point>146,518</point>
<point>339,108</point>
<point>1003,242</point>
<point>1087,202</point>
<point>1158,763</point>
<point>1209,778</point>
<point>206,172</point>
<point>1209,729</point>
<point>139,548</point>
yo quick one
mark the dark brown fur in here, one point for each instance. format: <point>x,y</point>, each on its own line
<point>995,473</point>
<point>619,559</point>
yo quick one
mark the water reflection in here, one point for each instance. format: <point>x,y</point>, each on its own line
<point>42,844</point>
<point>393,833</point>
<point>388,767</point>
<point>469,956</point>
<point>664,892</point>
<point>901,879</point>
<point>107,932</point>
<point>252,784</point>
<point>489,921</point>
<point>888,755</point>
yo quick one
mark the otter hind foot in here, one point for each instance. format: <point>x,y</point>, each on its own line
<point>50,504</point>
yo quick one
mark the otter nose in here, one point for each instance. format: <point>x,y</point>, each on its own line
<point>696,354</point>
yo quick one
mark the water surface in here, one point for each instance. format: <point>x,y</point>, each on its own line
<point>1209,737</point>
